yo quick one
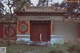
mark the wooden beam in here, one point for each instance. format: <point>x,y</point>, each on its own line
<point>8,23</point>
<point>40,13</point>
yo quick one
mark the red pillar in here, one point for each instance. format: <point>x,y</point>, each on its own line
<point>1,31</point>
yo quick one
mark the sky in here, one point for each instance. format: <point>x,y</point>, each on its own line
<point>54,1</point>
<point>33,1</point>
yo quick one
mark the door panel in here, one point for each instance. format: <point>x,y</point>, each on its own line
<point>45,30</point>
<point>40,27</point>
<point>34,33</point>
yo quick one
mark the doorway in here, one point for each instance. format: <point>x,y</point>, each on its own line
<point>40,31</point>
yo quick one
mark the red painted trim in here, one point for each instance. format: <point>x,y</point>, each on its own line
<point>19,27</point>
<point>40,13</point>
<point>13,31</point>
<point>8,23</point>
<point>1,30</point>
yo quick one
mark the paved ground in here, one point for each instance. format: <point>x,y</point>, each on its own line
<point>52,41</point>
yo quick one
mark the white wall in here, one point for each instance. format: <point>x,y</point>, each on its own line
<point>63,29</point>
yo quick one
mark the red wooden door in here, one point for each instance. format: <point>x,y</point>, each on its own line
<point>1,31</point>
<point>34,33</point>
<point>40,28</point>
<point>45,31</point>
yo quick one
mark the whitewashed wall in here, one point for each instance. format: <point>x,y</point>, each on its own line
<point>64,30</point>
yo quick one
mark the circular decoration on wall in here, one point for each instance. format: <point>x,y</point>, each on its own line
<point>11,31</point>
<point>23,27</point>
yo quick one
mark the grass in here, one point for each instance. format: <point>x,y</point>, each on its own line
<point>55,48</point>
<point>24,48</point>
